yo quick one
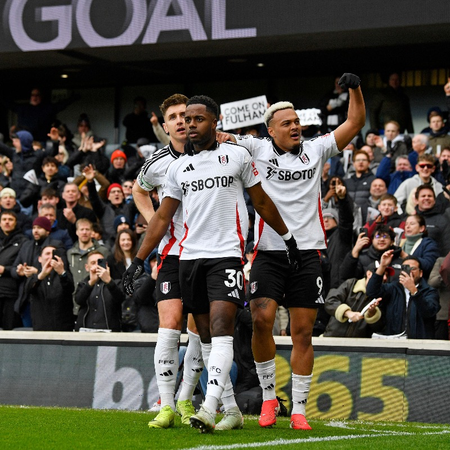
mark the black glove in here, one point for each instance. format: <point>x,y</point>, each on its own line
<point>132,274</point>
<point>293,253</point>
<point>349,81</point>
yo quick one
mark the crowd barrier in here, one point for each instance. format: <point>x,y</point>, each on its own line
<point>360,379</point>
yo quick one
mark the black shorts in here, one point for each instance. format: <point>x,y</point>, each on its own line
<point>205,280</point>
<point>271,276</point>
<point>168,279</point>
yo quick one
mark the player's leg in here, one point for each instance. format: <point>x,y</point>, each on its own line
<point>170,312</point>
<point>302,361</point>
<point>193,367</point>
<point>266,289</point>
<point>303,297</point>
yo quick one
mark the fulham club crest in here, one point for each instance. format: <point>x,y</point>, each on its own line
<point>165,287</point>
<point>304,158</point>
<point>223,159</point>
<point>253,286</point>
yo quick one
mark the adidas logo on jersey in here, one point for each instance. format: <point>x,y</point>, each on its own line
<point>274,162</point>
<point>320,300</point>
<point>189,168</point>
<point>234,294</point>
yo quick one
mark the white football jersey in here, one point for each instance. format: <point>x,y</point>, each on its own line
<point>210,186</point>
<point>152,175</point>
<point>293,183</point>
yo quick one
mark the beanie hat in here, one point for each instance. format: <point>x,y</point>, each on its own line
<point>112,186</point>
<point>120,219</point>
<point>118,154</point>
<point>43,222</point>
<point>8,191</point>
<point>26,140</point>
<point>331,212</point>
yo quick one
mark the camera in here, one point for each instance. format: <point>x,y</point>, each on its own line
<point>406,268</point>
<point>363,230</point>
<point>102,263</point>
<point>54,254</point>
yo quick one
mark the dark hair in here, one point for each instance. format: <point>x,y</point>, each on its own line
<point>140,99</point>
<point>97,228</point>
<point>84,118</point>
<point>208,102</point>
<point>50,160</point>
<point>423,187</point>
<point>10,212</point>
<point>48,192</point>
<point>382,228</point>
<point>119,255</point>
<point>391,197</point>
<point>175,99</point>
<point>421,221</point>
<point>413,258</point>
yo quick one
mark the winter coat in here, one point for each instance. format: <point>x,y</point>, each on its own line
<point>417,319</point>
<point>350,295</point>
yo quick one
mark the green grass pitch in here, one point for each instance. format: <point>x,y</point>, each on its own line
<point>62,428</point>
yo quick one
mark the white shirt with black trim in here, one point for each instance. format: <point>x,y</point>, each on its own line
<point>152,175</point>
<point>293,183</point>
<point>210,186</point>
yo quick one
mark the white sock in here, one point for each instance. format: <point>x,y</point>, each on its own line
<point>166,364</point>
<point>193,366</point>
<point>300,392</point>
<point>228,398</point>
<point>266,375</point>
<point>219,366</point>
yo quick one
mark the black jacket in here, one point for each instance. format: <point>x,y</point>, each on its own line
<point>100,305</point>
<point>51,302</point>
<point>9,249</point>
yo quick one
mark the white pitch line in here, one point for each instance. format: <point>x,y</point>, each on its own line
<point>307,440</point>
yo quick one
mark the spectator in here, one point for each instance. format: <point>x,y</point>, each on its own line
<point>107,212</point>
<point>26,263</point>
<point>99,297</point>
<point>90,152</point>
<point>425,168</point>
<point>409,305</point>
<point>338,224</point>
<point>68,216</point>
<point>334,106</point>
<point>393,142</point>
<point>6,172</point>
<point>125,250</point>
<point>391,103</point>
<point>8,202</point>
<point>159,131</point>
<point>438,138</point>
<point>388,215</point>
<point>345,303</point>
<point>137,123</point>
<point>419,146</point>
<point>417,243</point>
<point>377,190</point>
<point>403,171</point>
<point>49,211</point>
<point>358,185</point>
<point>50,293</point>
<point>11,240</point>
<point>116,171</point>
<point>77,255</point>
<point>443,174</point>
<point>83,130</point>
<point>22,156</point>
<point>373,166</point>
<point>365,255</point>
<point>37,115</point>
<point>101,183</point>
<point>436,216</point>
<point>442,326</point>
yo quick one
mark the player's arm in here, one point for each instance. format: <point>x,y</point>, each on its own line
<point>356,114</point>
<point>143,202</point>
<point>269,213</point>
<point>156,229</point>
<point>267,209</point>
<point>157,226</point>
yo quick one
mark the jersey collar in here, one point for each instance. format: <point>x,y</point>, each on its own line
<point>281,152</point>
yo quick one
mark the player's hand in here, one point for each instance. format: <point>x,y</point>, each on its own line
<point>132,274</point>
<point>293,253</point>
<point>349,81</point>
